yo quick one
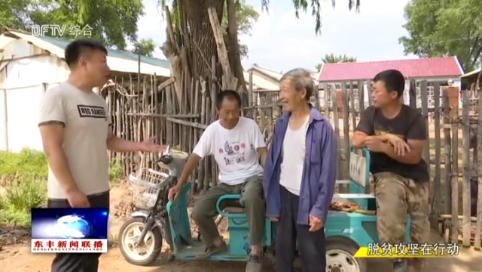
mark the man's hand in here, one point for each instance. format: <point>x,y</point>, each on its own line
<point>315,223</point>
<point>149,145</point>
<point>273,219</point>
<point>77,199</point>
<point>374,144</point>
<point>174,192</point>
<point>399,145</point>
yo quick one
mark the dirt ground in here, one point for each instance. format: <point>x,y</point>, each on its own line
<point>17,258</point>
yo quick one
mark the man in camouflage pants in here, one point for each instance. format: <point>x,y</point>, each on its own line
<point>396,135</point>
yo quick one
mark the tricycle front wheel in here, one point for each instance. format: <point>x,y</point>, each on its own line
<point>340,257</point>
<point>135,254</point>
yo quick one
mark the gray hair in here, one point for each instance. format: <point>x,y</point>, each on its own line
<point>301,79</point>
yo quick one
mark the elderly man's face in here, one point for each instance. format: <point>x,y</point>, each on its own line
<point>289,96</point>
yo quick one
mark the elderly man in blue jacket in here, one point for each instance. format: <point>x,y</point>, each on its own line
<point>300,175</point>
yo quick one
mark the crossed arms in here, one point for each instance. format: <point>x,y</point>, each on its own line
<point>408,152</point>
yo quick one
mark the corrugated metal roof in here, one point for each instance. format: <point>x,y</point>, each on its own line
<point>118,60</point>
<point>474,72</point>
<point>412,68</point>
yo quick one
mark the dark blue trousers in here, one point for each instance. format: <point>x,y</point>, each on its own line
<point>311,245</point>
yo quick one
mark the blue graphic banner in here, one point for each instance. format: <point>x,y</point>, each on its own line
<point>69,223</point>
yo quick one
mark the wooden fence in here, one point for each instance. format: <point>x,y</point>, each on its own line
<point>454,139</point>
<point>147,107</point>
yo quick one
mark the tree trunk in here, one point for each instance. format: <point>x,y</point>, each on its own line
<point>233,49</point>
<point>191,44</point>
<point>203,44</point>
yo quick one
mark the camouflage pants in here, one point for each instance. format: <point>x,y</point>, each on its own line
<point>397,197</point>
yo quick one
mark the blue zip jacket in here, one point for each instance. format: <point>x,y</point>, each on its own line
<point>319,170</point>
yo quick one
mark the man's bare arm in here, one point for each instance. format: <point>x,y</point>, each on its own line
<point>52,134</point>
<point>120,145</point>
<point>412,157</point>
<point>262,152</point>
<point>359,139</point>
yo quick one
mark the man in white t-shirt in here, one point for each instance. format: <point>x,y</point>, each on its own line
<point>237,144</point>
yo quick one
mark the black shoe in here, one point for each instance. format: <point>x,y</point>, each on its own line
<point>210,251</point>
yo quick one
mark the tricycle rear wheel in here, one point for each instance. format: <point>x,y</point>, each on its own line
<point>340,256</point>
<point>134,254</point>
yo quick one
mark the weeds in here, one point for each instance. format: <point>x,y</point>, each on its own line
<point>20,197</point>
<point>23,176</point>
<point>115,172</point>
<point>27,162</point>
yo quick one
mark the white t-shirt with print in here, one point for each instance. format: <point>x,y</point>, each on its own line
<point>235,150</point>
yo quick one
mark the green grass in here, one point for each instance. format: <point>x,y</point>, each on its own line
<point>23,176</point>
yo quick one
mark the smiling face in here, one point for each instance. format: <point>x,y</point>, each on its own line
<point>229,112</point>
<point>290,97</point>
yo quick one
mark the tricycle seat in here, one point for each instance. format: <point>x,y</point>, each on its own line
<point>229,204</point>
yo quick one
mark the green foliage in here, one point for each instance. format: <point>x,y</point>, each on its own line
<point>115,172</point>
<point>246,17</point>
<point>23,184</point>
<point>315,6</point>
<point>26,163</point>
<point>113,22</point>
<point>144,47</point>
<point>445,28</point>
<point>332,58</point>
<point>20,196</point>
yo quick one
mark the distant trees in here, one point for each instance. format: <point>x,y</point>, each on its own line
<point>332,58</point>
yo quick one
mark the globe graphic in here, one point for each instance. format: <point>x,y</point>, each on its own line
<point>73,227</point>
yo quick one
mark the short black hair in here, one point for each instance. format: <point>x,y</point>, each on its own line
<point>393,79</point>
<point>229,95</point>
<point>77,47</point>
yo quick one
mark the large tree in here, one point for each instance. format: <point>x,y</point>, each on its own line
<point>246,17</point>
<point>445,28</point>
<point>332,58</point>
<point>195,37</point>
<point>113,22</point>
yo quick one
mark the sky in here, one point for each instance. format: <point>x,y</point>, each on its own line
<point>280,42</point>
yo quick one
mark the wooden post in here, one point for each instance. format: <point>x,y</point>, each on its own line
<point>454,176</point>
<point>424,95</point>
<point>437,191</point>
<point>467,171</point>
<point>412,91</point>
<point>478,228</point>
<point>447,153</point>
<point>334,102</point>
<point>346,130</point>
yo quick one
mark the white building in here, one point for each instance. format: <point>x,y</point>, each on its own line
<point>29,66</point>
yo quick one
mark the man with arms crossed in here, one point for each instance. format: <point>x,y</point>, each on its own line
<point>74,127</point>
<point>300,175</point>
<point>396,135</point>
<point>237,144</point>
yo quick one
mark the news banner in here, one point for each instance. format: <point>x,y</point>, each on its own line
<point>69,230</point>
<point>408,250</point>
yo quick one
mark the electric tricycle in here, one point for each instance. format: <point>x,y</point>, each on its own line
<point>141,237</point>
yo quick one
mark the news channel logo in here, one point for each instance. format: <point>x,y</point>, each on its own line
<point>62,223</point>
<point>61,30</point>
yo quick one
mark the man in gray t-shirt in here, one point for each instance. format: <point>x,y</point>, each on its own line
<point>74,127</point>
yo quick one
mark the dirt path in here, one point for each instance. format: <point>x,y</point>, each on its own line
<point>19,259</point>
